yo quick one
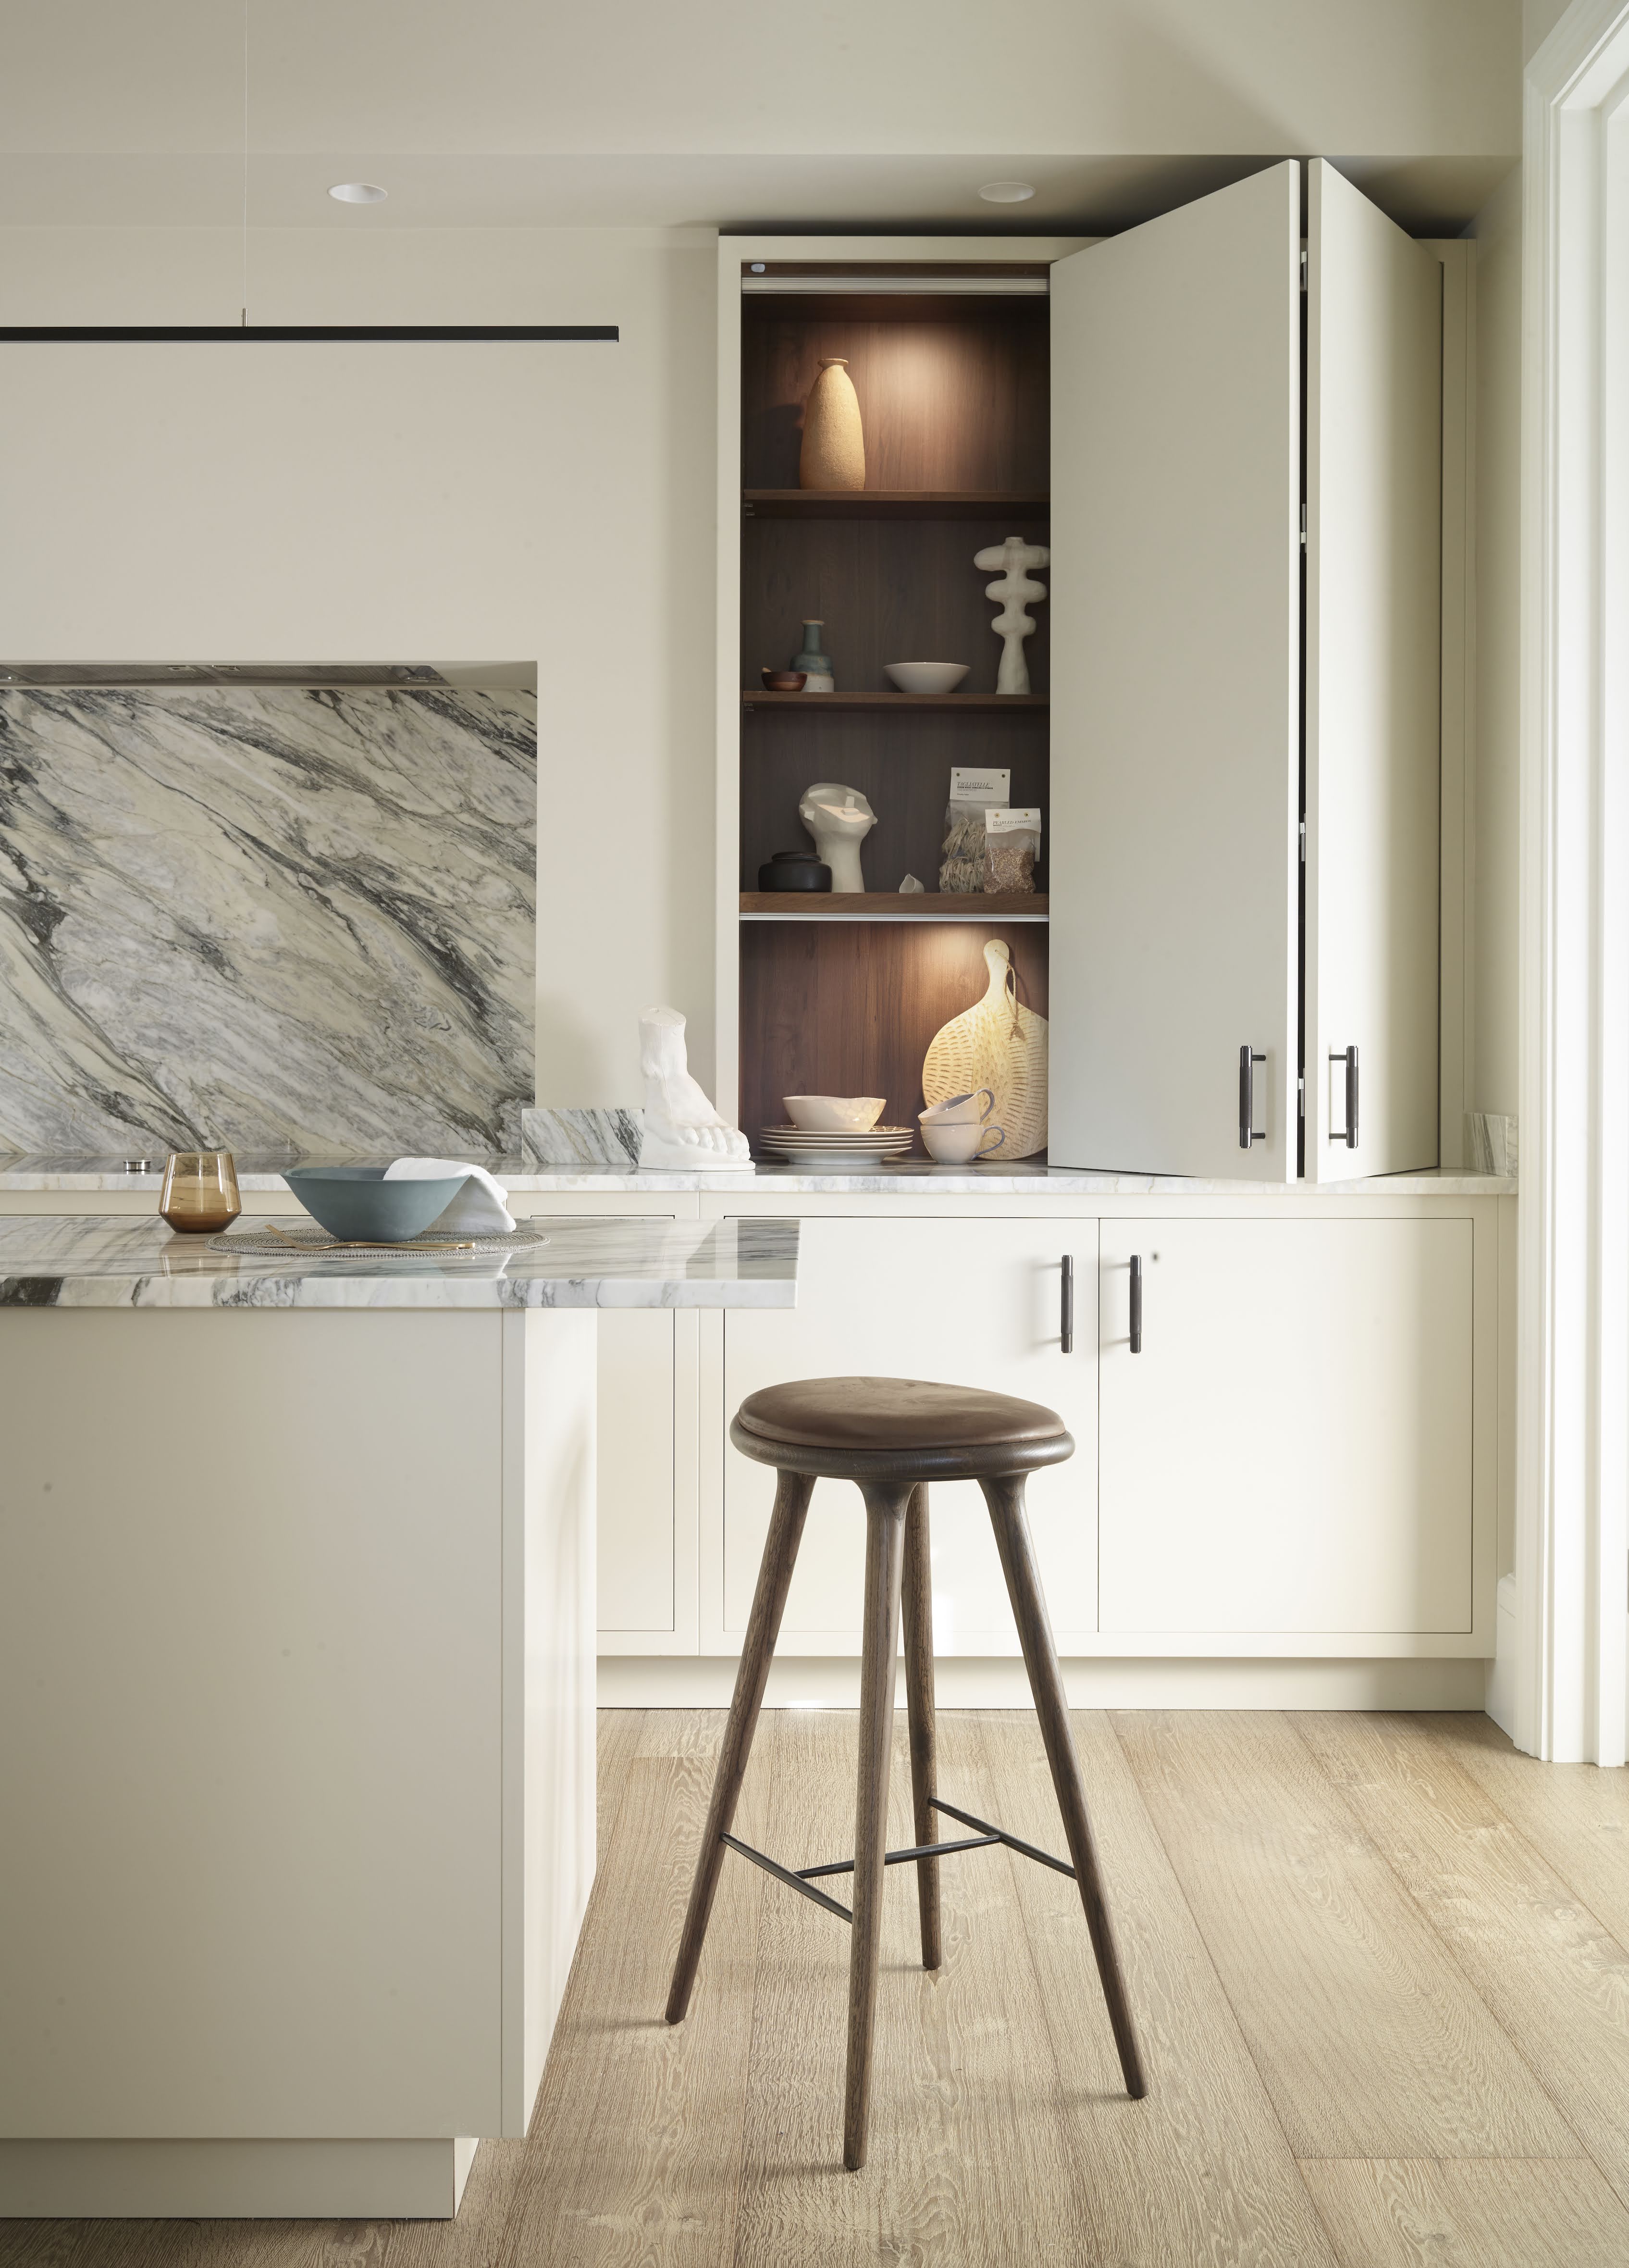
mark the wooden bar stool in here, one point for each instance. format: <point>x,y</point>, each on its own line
<point>893,1436</point>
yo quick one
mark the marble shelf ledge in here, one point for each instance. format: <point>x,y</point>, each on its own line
<point>260,1178</point>
<point>90,1260</point>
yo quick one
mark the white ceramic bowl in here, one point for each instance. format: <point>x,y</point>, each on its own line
<point>834,1114</point>
<point>927,676</point>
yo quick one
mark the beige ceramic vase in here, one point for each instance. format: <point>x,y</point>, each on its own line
<point>1001,1045</point>
<point>833,451</point>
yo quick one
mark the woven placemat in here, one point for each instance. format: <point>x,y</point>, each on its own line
<point>305,1237</point>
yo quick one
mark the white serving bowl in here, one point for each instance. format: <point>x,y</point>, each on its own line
<point>834,1114</point>
<point>927,676</point>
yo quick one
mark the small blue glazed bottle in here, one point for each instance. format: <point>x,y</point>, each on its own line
<point>816,665</point>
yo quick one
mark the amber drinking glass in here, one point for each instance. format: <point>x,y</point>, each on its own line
<point>199,1191</point>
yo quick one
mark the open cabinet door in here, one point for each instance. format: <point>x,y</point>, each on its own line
<point>1176,689</point>
<point>1374,687</point>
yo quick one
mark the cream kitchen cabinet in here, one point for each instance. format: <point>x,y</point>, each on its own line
<point>1212,766</point>
<point>645,1451</point>
<point>941,1297</point>
<point>1288,1444</point>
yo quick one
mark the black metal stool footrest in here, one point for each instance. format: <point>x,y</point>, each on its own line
<point>802,1878</point>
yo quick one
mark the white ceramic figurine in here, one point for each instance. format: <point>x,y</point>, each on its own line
<point>839,819</point>
<point>683,1133</point>
<point>1017,589</point>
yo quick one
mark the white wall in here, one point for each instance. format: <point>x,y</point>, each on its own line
<point>1384,78</point>
<point>1492,1052</point>
<point>550,503</point>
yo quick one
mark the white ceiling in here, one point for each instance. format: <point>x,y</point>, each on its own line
<point>789,112</point>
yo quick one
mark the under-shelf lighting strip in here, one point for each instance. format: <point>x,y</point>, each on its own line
<point>894,287</point>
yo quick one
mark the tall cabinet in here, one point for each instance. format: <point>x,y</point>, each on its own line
<point>1227,423</point>
<point>1236,428</point>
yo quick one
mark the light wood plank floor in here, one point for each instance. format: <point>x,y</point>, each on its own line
<point>1381,1965</point>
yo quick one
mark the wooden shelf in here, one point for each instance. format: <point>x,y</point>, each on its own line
<point>891,905</point>
<point>762,700</point>
<point>892,503</point>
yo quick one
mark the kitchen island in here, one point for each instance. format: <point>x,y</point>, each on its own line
<point>296,1684</point>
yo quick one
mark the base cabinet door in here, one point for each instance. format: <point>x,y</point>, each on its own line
<point>1290,1449</point>
<point>634,1455</point>
<point>970,1302</point>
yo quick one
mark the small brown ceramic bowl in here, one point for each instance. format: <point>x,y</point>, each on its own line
<point>784,681</point>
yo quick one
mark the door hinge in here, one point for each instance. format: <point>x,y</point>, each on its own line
<point>1303,842</point>
<point>1303,267</point>
<point>1301,1096</point>
<point>1303,522</point>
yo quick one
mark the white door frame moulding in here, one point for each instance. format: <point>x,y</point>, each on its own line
<point>1573,1408</point>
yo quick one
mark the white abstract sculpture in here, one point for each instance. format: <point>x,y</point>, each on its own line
<point>682,1131</point>
<point>839,819</point>
<point>1017,589</point>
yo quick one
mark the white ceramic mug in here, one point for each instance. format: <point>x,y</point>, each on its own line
<point>959,1109</point>
<point>957,1142</point>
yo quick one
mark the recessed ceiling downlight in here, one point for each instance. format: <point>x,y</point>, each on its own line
<point>998,193</point>
<point>369,192</point>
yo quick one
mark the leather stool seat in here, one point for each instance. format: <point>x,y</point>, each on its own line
<point>899,1428</point>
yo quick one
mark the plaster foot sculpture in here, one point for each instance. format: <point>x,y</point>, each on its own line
<point>1016,588</point>
<point>839,819</point>
<point>683,1133</point>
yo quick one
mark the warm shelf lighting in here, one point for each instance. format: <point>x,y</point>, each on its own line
<point>1006,193</point>
<point>358,192</point>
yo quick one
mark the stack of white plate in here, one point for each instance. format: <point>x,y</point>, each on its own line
<point>867,1148</point>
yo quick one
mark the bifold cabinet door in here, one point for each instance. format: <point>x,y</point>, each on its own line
<point>1374,686</point>
<point>975,1302</point>
<point>1290,1448</point>
<point>1176,687</point>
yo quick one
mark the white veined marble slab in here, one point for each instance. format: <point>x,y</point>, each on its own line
<point>256,914</point>
<point>92,1260</point>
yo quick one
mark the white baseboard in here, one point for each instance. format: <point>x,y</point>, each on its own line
<point>961,1681</point>
<point>234,2180</point>
<point>1501,1702</point>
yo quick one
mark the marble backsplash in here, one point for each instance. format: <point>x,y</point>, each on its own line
<point>581,1137</point>
<point>267,915</point>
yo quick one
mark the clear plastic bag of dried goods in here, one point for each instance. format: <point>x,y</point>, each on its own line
<point>973,792</point>
<point>1012,843</point>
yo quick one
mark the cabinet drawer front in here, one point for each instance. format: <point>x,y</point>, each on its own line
<point>975,1302</point>
<point>1292,1448</point>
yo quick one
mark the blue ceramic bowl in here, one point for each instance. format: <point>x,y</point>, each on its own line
<point>357,1202</point>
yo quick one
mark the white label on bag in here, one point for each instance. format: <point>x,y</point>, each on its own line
<point>1010,821</point>
<point>970,786</point>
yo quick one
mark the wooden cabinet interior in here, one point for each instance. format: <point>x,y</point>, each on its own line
<point>849,1007</point>
<point>954,399</point>
<point>954,393</point>
<point>901,761</point>
<point>887,590</point>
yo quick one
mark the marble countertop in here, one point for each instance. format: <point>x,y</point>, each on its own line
<point>100,1260</point>
<point>260,1176</point>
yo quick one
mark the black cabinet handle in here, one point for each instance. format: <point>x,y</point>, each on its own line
<point>1249,1131</point>
<point>1348,1056</point>
<point>1066,1318</point>
<point>1137,1303</point>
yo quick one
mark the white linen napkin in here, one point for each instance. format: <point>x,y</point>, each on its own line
<point>481,1207</point>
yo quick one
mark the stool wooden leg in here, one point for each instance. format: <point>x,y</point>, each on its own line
<point>1005,1498</point>
<point>884,1539</point>
<point>918,1604</point>
<point>774,1577</point>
